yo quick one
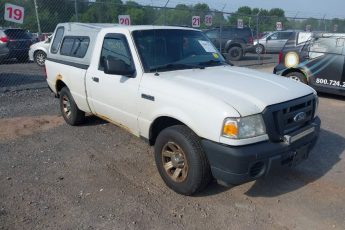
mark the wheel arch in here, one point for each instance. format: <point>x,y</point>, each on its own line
<point>292,70</point>
<point>40,49</point>
<point>59,85</point>
<point>161,123</point>
<point>231,45</point>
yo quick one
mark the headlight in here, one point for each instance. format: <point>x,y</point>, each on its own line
<point>244,127</point>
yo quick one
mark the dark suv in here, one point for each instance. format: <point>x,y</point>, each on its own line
<point>316,59</point>
<point>234,41</point>
<point>14,43</point>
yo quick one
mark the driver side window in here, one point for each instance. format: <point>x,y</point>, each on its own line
<point>115,47</point>
<point>273,36</point>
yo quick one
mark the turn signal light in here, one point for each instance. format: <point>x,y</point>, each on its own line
<point>230,129</point>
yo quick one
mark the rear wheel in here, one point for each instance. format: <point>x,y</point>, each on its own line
<point>69,109</point>
<point>40,57</point>
<point>297,76</point>
<point>235,53</point>
<point>181,160</point>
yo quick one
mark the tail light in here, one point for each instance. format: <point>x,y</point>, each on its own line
<point>280,57</point>
<point>251,40</point>
<point>3,39</point>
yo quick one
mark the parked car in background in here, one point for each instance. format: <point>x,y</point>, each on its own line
<point>235,42</point>
<point>34,36</point>
<point>272,42</point>
<point>14,43</point>
<point>38,52</point>
<point>316,59</point>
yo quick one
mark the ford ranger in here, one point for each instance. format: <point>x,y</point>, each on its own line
<point>171,87</point>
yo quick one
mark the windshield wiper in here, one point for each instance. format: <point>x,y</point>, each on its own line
<point>212,63</point>
<point>175,66</point>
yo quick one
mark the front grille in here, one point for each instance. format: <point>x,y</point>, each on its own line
<point>282,119</point>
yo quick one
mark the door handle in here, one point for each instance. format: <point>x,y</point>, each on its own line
<point>95,79</point>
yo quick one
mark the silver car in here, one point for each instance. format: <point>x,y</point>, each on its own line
<point>273,42</point>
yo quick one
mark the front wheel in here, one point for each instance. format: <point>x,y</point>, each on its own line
<point>40,57</point>
<point>297,77</point>
<point>181,161</point>
<point>69,109</point>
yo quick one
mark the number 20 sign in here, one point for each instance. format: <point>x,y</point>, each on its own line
<point>14,13</point>
<point>124,20</point>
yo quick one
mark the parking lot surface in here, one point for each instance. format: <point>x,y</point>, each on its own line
<point>98,176</point>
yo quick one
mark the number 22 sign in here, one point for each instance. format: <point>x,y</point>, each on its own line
<point>14,13</point>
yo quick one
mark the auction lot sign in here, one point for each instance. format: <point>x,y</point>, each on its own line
<point>208,20</point>
<point>14,13</point>
<point>279,26</point>
<point>125,20</point>
<point>196,21</point>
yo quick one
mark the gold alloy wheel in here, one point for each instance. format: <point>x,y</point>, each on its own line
<point>66,106</point>
<point>174,162</point>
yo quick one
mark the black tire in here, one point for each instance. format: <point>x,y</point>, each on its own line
<point>69,110</point>
<point>235,53</point>
<point>197,172</point>
<point>40,57</point>
<point>297,76</point>
<point>260,49</point>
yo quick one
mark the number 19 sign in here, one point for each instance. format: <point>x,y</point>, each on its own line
<point>125,20</point>
<point>14,13</point>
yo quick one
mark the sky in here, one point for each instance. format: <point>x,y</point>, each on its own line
<point>301,8</point>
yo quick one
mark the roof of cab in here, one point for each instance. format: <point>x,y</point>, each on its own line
<point>100,26</point>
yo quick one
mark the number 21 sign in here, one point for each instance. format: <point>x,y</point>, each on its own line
<point>196,21</point>
<point>14,13</point>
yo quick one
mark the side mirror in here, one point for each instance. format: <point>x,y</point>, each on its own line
<point>117,67</point>
<point>268,38</point>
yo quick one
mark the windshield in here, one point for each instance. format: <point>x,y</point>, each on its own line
<point>171,49</point>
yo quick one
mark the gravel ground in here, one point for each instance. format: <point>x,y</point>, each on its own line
<point>98,176</point>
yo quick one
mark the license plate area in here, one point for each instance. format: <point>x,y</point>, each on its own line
<point>296,157</point>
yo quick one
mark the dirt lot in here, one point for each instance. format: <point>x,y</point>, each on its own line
<point>97,176</point>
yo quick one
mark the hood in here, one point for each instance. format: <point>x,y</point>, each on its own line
<point>248,91</point>
<point>41,44</point>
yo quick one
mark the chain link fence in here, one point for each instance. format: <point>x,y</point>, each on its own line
<point>40,17</point>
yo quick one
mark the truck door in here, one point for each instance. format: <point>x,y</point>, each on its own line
<point>326,62</point>
<point>114,97</point>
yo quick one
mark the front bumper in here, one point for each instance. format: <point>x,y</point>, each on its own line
<point>279,69</point>
<point>31,55</point>
<point>237,165</point>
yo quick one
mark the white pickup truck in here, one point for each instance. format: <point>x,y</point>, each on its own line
<point>170,86</point>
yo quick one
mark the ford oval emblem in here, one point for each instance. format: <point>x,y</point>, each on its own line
<point>300,117</point>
